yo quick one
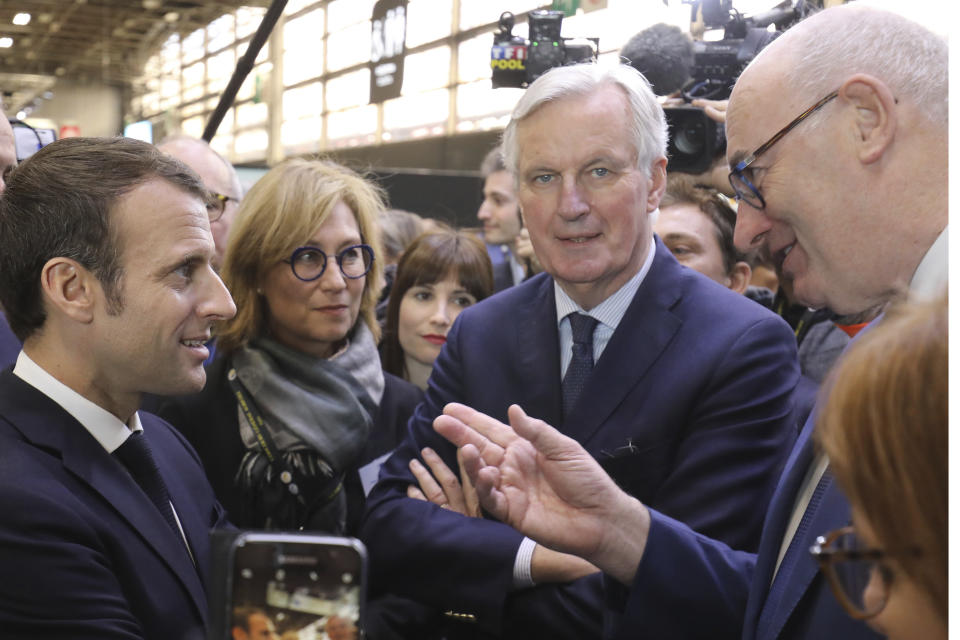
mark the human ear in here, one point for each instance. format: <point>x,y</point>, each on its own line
<point>658,183</point>
<point>875,118</point>
<point>739,277</point>
<point>69,286</point>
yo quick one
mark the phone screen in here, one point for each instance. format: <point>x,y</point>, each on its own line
<point>296,587</point>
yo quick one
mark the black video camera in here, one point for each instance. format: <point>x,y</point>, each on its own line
<point>517,62</point>
<point>695,139</point>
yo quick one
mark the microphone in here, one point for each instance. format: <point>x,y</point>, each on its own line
<point>663,53</point>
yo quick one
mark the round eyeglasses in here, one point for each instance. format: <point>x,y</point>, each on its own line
<point>217,204</point>
<point>309,263</point>
<point>858,576</point>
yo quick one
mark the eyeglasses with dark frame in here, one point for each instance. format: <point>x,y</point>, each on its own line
<point>743,188</point>
<point>851,568</point>
<point>217,205</point>
<point>309,263</point>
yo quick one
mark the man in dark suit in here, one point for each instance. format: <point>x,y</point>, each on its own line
<point>828,204</point>
<point>682,389</point>
<point>107,279</point>
<point>499,214</point>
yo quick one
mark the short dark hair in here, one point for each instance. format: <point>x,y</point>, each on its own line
<point>58,203</point>
<point>430,258</point>
<point>681,189</point>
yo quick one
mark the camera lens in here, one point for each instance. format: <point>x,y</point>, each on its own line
<point>689,139</point>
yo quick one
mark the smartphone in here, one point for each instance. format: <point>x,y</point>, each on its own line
<point>286,586</point>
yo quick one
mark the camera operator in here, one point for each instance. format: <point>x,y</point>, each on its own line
<point>664,55</point>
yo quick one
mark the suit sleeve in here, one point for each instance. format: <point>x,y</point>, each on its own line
<point>687,586</point>
<point>464,564</point>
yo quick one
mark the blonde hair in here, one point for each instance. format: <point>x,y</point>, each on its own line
<point>884,427</point>
<point>281,212</point>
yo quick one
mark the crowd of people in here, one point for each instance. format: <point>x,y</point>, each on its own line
<point>586,418</point>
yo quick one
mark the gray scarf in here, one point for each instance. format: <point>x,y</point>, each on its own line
<point>327,405</point>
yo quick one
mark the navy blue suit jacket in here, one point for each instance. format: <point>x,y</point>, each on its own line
<point>84,552</point>
<point>724,592</point>
<point>688,408</point>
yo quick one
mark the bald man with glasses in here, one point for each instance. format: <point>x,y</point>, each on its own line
<point>837,140</point>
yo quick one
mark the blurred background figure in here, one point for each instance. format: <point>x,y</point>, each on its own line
<point>220,179</point>
<point>398,228</point>
<point>252,623</point>
<point>884,429</point>
<point>9,343</point>
<point>440,275</point>
<point>296,397</point>
<point>337,628</point>
<point>500,215</point>
<point>696,223</point>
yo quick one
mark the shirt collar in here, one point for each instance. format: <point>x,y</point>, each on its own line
<point>610,311</point>
<point>105,427</point>
<point>930,278</point>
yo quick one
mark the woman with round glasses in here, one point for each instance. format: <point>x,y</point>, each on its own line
<point>296,406</point>
<point>884,428</point>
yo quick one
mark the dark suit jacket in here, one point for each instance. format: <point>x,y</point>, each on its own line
<point>84,552</point>
<point>209,421</point>
<point>688,408</point>
<point>728,590</point>
<point>9,344</point>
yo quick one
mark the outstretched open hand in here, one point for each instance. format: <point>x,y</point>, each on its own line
<point>534,478</point>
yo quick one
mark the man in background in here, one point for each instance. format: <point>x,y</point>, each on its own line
<point>220,179</point>
<point>500,215</point>
<point>9,344</point>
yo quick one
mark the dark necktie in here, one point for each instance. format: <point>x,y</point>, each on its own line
<point>136,456</point>
<point>799,544</point>
<point>581,364</point>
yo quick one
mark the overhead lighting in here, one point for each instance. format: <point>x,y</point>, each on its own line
<point>6,43</point>
<point>21,19</point>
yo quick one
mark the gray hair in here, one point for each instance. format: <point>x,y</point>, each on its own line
<point>649,126</point>
<point>833,44</point>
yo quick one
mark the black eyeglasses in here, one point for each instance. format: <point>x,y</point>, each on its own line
<point>217,204</point>
<point>743,188</point>
<point>309,263</point>
<point>858,576</point>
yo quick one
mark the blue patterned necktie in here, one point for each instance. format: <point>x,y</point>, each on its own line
<point>136,456</point>
<point>581,364</point>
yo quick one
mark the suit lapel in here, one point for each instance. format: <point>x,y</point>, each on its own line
<point>644,332</point>
<point>800,571</point>
<point>539,355</point>
<point>47,425</point>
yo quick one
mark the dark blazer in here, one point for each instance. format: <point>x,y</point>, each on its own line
<point>688,408</point>
<point>84,552</point>
<point>209,421</point>
<point>729,590</point>
<point>10,345</point>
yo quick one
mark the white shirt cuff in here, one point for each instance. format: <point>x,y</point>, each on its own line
<point>521,566</point>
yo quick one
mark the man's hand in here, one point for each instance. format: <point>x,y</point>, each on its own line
<point>716,110</point>
<point>441,486</point>
<point>548,487</point>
